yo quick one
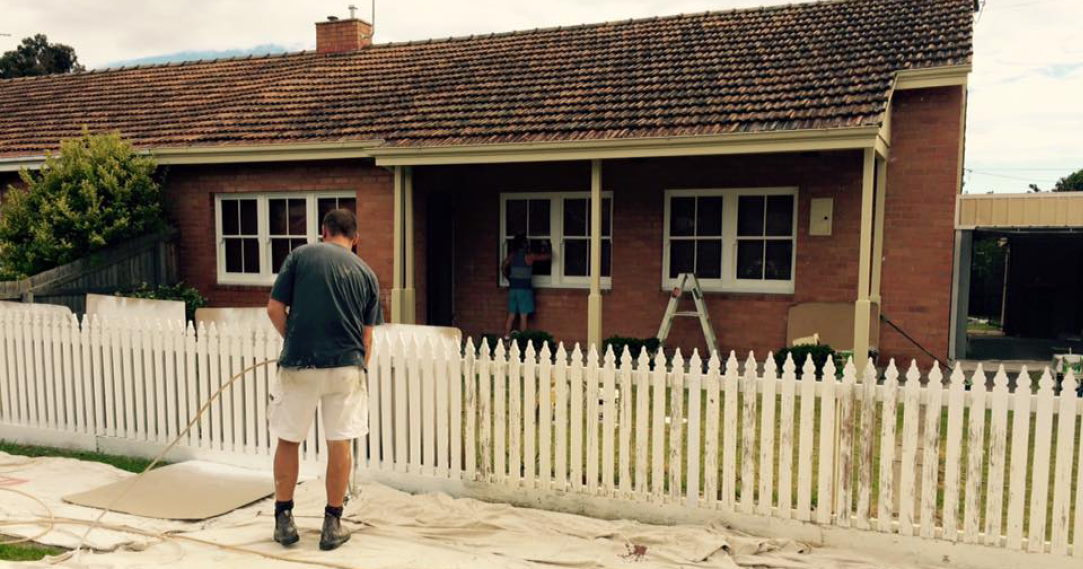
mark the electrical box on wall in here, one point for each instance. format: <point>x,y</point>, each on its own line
<point>820,213</point>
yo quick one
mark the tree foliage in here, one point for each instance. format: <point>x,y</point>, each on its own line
<point>36,56</point>
<point>1070,183</point>
<point>96,192</point>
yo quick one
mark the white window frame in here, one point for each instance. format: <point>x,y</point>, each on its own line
<point>265,277</point>
<point>556,237</point>
<point>729,281</point>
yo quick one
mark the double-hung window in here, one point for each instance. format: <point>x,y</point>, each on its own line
<point>256,232</point>
<point>560,224</point>
<point>741,240</point>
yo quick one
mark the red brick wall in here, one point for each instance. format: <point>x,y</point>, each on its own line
<point>190,194</point>
<point>919,219</point>
<point>826,269</point>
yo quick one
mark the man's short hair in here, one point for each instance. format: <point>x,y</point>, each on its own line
<point>340,223</point>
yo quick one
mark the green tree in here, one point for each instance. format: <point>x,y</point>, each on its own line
<point>96,192</point>
<point>36,56</point>
<point>1070,183</point>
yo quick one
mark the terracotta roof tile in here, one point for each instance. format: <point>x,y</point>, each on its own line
<point>807,66</point>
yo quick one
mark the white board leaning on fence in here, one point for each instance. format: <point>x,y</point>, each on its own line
<point>54,309</point>
<point>135,308</point>
<point>469,422</point>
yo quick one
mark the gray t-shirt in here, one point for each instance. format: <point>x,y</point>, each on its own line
<point>332,295</point>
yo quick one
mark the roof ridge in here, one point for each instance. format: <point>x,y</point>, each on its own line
<point>626,21</point>
<point>160,65</point>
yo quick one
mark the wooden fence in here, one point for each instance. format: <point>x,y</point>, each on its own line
<point>862,454</point>
<point>150,259</point>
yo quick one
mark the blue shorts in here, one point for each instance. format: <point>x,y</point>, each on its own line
<point>520,301</point>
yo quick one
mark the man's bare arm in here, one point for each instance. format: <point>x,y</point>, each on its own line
<point>277,313</point>
<point>366,339</point>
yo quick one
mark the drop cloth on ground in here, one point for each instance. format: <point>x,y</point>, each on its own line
<point>393,529</point>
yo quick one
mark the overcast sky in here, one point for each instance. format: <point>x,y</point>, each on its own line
<point>1025,118</point>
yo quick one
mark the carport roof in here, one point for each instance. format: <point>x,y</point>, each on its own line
<point>1045,210</point>
<point>824,65</point>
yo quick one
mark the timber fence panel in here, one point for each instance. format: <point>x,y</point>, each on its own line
<point>676,428</point>
<point>455,372</point>
<point>953,457</point>
<point>975,463</point>
<point>866,394</point>
<point>1039,494</point>
<point>560,416</point>
<point>695,388</point>
<point>5,362</point>
<point>501,370</point>
<point>767,437</point>
<point>829,391</point>
<point>593,416</point>
<point>1017,490</point>
<point>712,385</point>
<point>624,419</point>
<point>912,395</point>
<point>414,381</point>
<point>807,428</point>
<point>575,432</point>
<point>731,386</point>
<point>485,413</point>
<point>998,447</point>
<point>930,462</point>
<point>470,409</point>
<point>749,407</point>
<point>785,439</point>
<point>885,513</point>
<point>428,406</point>
<point>514,415</point>
<point>1067,403</point>
<point>844,431</point>
<point>658,425</point>
<point>443,409</point>
<point>609,421</point>
<point>545,418</point>
<point>400,378</point>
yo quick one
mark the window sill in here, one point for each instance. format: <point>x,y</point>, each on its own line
<point>259,282</point>
<point>781,290</point>
<point>607,284</point>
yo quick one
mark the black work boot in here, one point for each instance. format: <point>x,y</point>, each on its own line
<point>285,530</point>
<point>333,534</point>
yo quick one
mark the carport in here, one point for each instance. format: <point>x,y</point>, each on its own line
<point>1018,283</point>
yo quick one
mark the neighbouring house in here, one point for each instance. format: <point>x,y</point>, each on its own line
<point>803,160</point>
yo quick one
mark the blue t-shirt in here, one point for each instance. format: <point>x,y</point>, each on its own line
<point>332,295</point>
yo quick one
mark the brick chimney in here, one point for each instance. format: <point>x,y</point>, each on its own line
<point>336,36</point>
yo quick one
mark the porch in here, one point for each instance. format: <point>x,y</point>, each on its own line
<point>764,232</point>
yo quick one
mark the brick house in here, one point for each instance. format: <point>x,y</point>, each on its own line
<point>790,156</point>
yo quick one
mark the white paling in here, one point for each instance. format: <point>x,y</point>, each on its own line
<point>695,388</point>
<point>888,420</point>
<point>1067,404</point>
<point>976,460</point>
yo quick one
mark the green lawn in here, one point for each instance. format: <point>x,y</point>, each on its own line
<point>25,551</point>
<point>127,463</point>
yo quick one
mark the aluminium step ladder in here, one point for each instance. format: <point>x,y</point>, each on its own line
<point>688,282</point>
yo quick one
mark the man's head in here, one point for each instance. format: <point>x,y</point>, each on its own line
<point>518,243</point>
<point>340,227</point>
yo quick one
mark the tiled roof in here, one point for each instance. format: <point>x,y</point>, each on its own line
<point>808,66</point>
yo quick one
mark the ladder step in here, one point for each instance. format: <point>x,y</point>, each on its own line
<point>688,314</point>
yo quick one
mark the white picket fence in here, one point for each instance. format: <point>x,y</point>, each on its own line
<point>939,462</point>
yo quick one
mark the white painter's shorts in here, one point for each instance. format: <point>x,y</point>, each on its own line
<point>342,393</point>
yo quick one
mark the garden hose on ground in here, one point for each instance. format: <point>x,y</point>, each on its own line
<point>48,521</point>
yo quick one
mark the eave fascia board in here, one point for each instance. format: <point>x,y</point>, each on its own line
<point>929,77</point>
<point>658,147</point>
<point>229,154</point>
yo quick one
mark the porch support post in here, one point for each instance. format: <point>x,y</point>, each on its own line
<point>397,276</point>
<point>409,306</point>
<point>862,305</point>
<point>878,232</point>
<point>594,302</point>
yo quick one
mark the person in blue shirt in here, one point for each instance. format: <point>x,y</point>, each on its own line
<point>518,269</point>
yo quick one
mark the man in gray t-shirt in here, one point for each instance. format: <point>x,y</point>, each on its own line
<point>325,303</point>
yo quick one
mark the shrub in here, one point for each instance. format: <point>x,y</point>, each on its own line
<point>95,192</point>
<point>538,338</point>
<point>634,346</point>
<point>819,353</point>
<point>180,291</point>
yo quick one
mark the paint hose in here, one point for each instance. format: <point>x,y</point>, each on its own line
<point>48,522</point>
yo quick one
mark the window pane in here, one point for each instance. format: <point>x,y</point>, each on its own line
<point>348,203</point>
<point>298,217</point>
<point>276,210</point>
<point>607,217</point>
<point>780,215</point>
<point>709,259</point>
<point>682,257</point>
<point>234,256</point>
<point>750,216</point>
<point>750,259</point>
<point>576,252</point>
<point>779,264</point>
<point>575,218</point>
<point>682,216</point>
<point>515,217</point>
<point>230,222</point>
<point>539,218</point>
<point>251,255</point>
<point>324,205</point>
<point>249,218</point>
<point>709,217</point>
<point>280,249</point>
<point>607,258</point>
